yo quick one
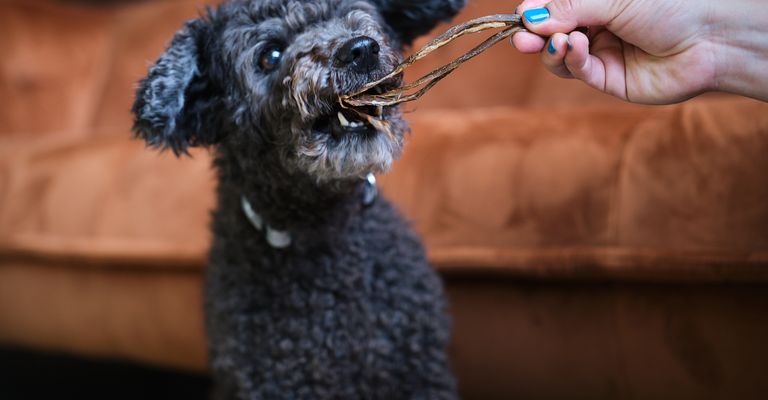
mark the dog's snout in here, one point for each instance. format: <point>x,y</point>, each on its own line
<point>360,53</point>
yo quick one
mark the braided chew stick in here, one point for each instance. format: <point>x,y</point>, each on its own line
<point>511,23</point>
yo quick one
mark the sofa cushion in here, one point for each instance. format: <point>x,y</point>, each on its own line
<point>51,72</point>
<point>646,193</point>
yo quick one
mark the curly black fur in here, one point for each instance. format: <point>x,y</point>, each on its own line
<point>351,310</point>
<point>410,19</point>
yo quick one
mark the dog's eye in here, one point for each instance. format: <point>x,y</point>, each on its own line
<point>270,58</point>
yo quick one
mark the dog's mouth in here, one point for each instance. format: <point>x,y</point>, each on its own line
<point>345,121</point>
<point>362,121</point>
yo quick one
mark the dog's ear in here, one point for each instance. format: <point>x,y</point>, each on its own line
<point>412,18</point>
<point>173,102</point>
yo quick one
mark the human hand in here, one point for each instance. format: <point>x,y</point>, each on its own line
<point>644,51</point>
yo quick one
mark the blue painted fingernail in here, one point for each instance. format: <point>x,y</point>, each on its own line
<point>536,15</point>
<point>568,42</point>
<point>551,48</point>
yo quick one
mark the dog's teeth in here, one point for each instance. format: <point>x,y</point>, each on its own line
<point>343,121</point>
<point>355,124</point>
<point>379,111</point>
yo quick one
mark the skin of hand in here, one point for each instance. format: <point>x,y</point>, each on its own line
<point>651,52</point>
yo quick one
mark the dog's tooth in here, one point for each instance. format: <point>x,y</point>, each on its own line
<point>355,124</point>
<point>343,121</point>
<point>379,111</point>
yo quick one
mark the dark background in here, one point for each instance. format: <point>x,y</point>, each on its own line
<point>29,375</point>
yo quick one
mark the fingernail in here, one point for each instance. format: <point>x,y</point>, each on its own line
<point>551,47</point>
<point>568,42</point>
<point>536,15</point>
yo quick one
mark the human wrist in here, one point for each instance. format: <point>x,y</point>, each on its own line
<point>739,42</point>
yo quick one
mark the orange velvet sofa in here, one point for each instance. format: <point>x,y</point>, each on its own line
<point>591,249</point>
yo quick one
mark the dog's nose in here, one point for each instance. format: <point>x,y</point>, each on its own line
<point>360,53</point>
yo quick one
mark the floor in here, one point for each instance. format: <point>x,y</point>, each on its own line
<point>31,375</point>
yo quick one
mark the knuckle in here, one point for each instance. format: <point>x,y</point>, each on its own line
<point>562,8</point>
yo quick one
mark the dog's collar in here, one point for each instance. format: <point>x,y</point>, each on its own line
<point>282,239</point>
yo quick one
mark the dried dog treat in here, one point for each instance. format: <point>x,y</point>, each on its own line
<point>511,22</point>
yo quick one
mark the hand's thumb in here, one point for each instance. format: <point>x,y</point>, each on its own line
<point>567,15</point>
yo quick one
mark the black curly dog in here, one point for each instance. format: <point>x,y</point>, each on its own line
<point>315,288</point>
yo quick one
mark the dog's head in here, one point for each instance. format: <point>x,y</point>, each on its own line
<point>266,75</point>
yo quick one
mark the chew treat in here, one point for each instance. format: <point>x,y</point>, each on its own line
<point>368,96</point>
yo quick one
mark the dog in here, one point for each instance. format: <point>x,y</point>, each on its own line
<point>316,286</point>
